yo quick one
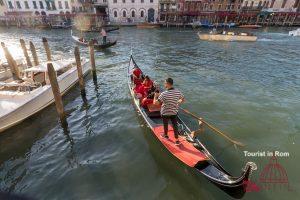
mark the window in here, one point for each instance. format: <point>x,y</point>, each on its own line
<point>124,13</point>
<point>133,13</point>
<point>246,4</point>
<point>205,6</point>
<point>10,5</point>
<point>59,5</point>
<point>53,5</point>
<point>18,4</point>
<point>251,5</point>
<point>41,5</point>
<point>115,14</point>
<point>219,6</point>
<point>66,5</point>
<point>142,13</point>
<point>283,3</point>
<point>142,1</point>
<point>26,4</point>
<point>1,2</point>
<point>259,4</point>
<point>48,5</point>
<point>151,1</point>
<point>115,1</point>
<point>34,4</point>
<point>124,1</point>
<point>272,4</point>
<point>210,6</point>
<point>132,1</point>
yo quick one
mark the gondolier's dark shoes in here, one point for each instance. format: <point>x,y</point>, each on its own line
<point>164,136</point>
<point>177,143</point>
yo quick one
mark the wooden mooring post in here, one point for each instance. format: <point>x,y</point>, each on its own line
<point>23,45</point>
<point>56,93</point>
<point>33,53</point>
<point>92,60</point>
<point>11,62</point>
<point>79,71</point>
<point>47,49</point>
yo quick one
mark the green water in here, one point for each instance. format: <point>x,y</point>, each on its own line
<point>249,90</point>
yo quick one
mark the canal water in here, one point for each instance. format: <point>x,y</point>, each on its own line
<point>249,90</point>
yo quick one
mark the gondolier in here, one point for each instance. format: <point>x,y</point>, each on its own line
<point>169,101</point>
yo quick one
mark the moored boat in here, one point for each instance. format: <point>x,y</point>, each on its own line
<point>97,45</point>
<point>295,32</point>
<point>62,25</point>
<point>191,152</point>
<point>23,98</point>
<point>228,36</point>
<point>147,25</point>
<point>251,26</point>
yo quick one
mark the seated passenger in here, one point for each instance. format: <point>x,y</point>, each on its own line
<point>143,88</point>
<point>149,98</point>
<point>147,84</point>
<point>137,75</point>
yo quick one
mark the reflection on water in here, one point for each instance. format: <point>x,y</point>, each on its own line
<point>250,90</point>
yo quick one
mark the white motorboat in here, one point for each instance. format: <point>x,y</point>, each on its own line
<point>22,98</point>
<point>295,32</point>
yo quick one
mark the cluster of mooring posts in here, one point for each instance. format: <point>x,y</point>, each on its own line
<point>51,72</point>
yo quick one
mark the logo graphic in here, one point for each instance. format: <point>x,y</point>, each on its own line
<point>272,177</point>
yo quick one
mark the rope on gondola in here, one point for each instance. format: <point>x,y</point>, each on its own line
<point>213,128</point>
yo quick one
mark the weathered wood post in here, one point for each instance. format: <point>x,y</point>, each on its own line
<point>79,71</point>
<point>11,62</point>
<point>23,45</point>
<point>56,93</point>
<point>92,60</point>
<point>47,49</point>
<point>33,53</point>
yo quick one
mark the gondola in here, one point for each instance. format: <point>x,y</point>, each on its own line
<point>194,155</point>
<point>96,45</point>
<point>98,29</point>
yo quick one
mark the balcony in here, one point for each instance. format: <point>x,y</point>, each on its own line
<point>101,3</point>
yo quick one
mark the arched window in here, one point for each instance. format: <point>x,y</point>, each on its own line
<point>115,13</point>
<point>142,13</point>
<point>133,13</point>
<point>124,13</point>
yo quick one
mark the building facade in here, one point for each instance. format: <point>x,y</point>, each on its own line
<point>133,11</point>
<point>271,5</point>
<point>38,7</point>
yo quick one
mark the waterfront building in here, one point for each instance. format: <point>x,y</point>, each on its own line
<point>271,5</point>
<point>209,10</point>
<point>132,11</point>
<point>169,10</point>
<point>82,6</point>
<point>3,7</point>
<point>37,7</point>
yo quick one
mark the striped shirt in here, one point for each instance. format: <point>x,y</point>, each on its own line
<point>169,100</point>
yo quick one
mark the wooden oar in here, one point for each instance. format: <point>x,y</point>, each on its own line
<point>213,128</point>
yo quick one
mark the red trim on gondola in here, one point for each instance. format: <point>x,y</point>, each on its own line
<point>185,152</point>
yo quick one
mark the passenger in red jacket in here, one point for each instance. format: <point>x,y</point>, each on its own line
<point>137,76</point>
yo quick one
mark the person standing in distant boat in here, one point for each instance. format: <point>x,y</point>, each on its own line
<point>169,101</point>
<point>104,35</point>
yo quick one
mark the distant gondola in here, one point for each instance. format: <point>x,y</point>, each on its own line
<point>194,155</point>
<point>97,45</point>
<point>98,29</point>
